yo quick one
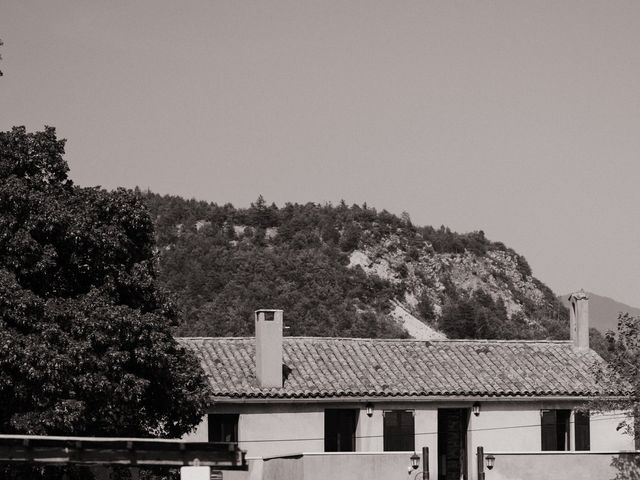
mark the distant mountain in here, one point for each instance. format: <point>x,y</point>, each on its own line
<point>603,311</point>
<point>340,270</point>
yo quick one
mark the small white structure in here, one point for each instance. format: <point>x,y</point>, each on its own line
<point>280,396</point>
<point>195,473</point>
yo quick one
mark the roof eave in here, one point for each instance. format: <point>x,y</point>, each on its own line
<point>406,399</point>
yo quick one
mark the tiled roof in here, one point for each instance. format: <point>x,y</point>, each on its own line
<point>341,367</point>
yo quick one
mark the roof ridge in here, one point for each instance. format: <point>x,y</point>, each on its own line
<point>213,338</point>
<point>395,340</point>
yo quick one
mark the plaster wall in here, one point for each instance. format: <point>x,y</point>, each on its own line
<point>287,468</point>
<point>426,428</point>
<point>200,433</point>
<point>505,426</point>
<point>275,430</point>
<point>338,466</point>
<point>369,432</point>
<point>604,435</point>
<point>270,430</point>
<point>561,466</point>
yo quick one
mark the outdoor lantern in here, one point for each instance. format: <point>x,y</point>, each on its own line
<point>369,409</point>
<point>476,409</point>
<point>415,460</point>
<point>490,461</point>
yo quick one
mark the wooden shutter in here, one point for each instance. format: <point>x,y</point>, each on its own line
<point>549,433</point>
<point>583,434</point>
<point>399,431</point>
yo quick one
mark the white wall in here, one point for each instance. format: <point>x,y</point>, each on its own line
<point>267,430</point>
<point>369,431</point>
<point>604,436</point>
<point>426,434</point>
<point>505,427</point>
<point>281,429</point>
<point>200,433</point>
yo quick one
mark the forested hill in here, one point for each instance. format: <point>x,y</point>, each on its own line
<point>344,271</point>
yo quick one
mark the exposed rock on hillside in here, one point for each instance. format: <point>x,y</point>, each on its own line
<point>345,271</point>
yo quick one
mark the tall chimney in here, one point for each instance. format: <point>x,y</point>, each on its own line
<point>579,319</point>
<point>269,348</point>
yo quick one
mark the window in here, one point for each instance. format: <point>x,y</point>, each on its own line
<point>223,427</point>
<point>555,429</point>
<point>399,430</point>
<point>583,434</point>
<point>340,430</point>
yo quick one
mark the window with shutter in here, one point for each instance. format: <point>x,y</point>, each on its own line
<point>583,434</point>
<point>555,430</point>
<point>223,428</point>
<point>399,430</point>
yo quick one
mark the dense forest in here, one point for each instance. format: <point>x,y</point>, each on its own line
<point>224,262</point>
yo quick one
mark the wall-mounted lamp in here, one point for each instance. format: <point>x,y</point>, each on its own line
<point>415,461</point>
<point>369,409</point>
<point>491,460</point>
<point>476,409</point>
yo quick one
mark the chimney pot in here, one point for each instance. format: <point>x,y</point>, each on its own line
<point>579,319</point>
<point>268,325</point>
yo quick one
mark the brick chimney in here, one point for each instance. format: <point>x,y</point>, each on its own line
<point>579,319</point>
<point>269,348</point>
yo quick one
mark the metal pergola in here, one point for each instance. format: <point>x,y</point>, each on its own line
<point>132,452</point>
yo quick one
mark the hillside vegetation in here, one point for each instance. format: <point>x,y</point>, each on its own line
<point>344,271</point>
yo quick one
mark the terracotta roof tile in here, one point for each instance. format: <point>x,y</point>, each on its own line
<point>348,367</point>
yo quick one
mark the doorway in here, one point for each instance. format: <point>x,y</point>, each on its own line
<point>340,430</point>
<point>452,443</point>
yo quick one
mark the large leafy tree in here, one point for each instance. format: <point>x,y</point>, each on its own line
<point>619,377</point>
<point>85,341</point>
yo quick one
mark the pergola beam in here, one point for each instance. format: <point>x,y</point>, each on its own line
<point>43,450</point>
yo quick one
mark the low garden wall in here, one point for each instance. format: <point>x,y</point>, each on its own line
<point>564,465</point>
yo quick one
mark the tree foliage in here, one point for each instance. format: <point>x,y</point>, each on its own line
<point>619,377</point>
<point>224,262</point>
<point>480,316</point>
<point>84,328</point>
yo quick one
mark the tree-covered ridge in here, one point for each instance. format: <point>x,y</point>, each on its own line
<point>339,270</point>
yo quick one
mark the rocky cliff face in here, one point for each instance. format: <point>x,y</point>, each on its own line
<point>426,276</point>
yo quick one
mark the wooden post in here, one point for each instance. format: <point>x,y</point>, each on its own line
<point>425,463</point>
<point>480,463</point>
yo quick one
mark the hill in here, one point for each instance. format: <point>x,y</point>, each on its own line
<point>344,271</point>
<point>603,311</point>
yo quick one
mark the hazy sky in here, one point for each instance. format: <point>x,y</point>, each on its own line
<point>518,118</point>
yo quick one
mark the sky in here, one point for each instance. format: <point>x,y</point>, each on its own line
<point>518,118</point>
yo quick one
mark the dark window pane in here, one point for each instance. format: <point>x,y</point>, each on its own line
<point>562,426</point>
<point>340,430</point>
<point>223,427</point>
<point>548,422</point>
<point>583,434</point>
<point>555,429</point>
<point>399,431</point>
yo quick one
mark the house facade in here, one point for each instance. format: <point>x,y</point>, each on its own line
<point>280,396</point>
